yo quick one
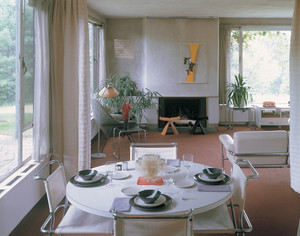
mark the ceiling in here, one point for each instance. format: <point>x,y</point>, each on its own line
<point>193,8</point>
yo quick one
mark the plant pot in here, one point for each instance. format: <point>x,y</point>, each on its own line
<point>125,124</point>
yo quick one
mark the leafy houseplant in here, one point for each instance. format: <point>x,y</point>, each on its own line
<point>140,100</point>
<point>238,92</point>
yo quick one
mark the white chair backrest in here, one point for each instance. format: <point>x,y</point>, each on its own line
<point>55,186</point>
<point>239,185</point>
<point>240,181</point>
<point>164,150</point>
<point>261,141</point>
<point>153,225</point>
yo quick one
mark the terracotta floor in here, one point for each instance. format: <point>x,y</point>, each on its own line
<point>272,206</point>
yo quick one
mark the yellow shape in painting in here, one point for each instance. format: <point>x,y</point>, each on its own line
<point>193,51</point>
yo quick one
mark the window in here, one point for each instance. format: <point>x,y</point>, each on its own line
<point>94,32</point>
<point>262,56</point>
<point>16,84</point>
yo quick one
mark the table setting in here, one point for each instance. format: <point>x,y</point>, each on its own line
<point>180,185</point>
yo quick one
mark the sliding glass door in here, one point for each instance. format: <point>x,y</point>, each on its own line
<point>16,85</point>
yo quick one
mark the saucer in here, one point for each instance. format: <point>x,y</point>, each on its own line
<point>184,183</point>
<point>130,191</point>
<point>120,175</point>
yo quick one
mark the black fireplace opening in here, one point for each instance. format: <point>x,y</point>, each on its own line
<point>188,108</point>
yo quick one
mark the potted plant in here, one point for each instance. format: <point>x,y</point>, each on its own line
<point>140,100</point>
<point>238,92</point>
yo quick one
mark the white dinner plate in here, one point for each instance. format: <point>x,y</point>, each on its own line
<point>81,180</point>
<point>138,201</point>
<point>130,191</point>
<point>203,177</point>
<point>184,183</point>
<point>170,169</point>
<point>120,175</point>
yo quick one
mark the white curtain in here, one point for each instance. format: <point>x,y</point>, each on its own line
<point>224,62</point>
<point>71,84</point>
<point>102,54</point>
<point>62,83</point>
<point>41,80</point>
<point>295,100</point>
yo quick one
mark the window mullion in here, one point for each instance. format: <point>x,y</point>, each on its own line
<point>240,51</point>
<point>20,79</point>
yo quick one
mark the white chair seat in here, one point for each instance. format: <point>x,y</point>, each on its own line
<point>214,221</point>
<point>76,221</point>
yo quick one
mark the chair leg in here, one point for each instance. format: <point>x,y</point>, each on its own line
<point>196,125</point>
<point>174,128</point>
<point>165,129</point>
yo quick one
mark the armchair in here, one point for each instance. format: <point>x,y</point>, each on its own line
<point>261,148</point>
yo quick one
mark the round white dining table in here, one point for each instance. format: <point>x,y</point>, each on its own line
<point>98,199</point>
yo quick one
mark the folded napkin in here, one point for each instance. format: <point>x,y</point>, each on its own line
<point>213,188</point>
<point>121,204</point>
<point>173,162</point>
<point>143,181</point>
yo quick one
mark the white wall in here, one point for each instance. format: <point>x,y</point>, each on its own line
<point>19,198</point>
<point>157,63</point>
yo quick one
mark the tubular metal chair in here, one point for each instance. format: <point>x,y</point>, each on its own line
<point>261,148</point>
<point>219,220</point>
<point>165,150</point>
<point>74,220</point>
<point>153,224</point>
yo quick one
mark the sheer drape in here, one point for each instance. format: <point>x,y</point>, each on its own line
<point>102,54</point>
<point>295,100</point>
<point>41,79</point>
<point>224,62</point>
<point>71,138</point>
<point>69,96</point>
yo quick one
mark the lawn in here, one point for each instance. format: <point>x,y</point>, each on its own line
<point>8,119</point>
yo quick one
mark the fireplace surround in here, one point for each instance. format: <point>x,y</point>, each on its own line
<point>188,108</point>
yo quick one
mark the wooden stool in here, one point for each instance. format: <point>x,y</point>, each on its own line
<point>198,124</point>
<point>170,122</point>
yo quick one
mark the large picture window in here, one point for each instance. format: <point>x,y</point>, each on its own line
<point>262,56</point>
<point>16,84</point>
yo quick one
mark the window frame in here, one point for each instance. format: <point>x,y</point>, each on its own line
<point>243,28</point>
<point>21,127</point>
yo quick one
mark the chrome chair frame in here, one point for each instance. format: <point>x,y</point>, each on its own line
<point>243,214</point>
<point>51,217</point>
<point>224,157</point>
<point>236,221</point>
<point>133,146</point>
<point>74,220</point>
<point>187,215</point>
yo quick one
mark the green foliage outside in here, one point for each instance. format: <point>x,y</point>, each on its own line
<point>8,42</point>
<point>265,63</point>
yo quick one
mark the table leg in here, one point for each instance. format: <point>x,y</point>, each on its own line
<point>114,136</point>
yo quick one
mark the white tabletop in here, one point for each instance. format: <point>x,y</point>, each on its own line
<point>98,200</point>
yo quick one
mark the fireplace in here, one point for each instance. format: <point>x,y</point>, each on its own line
<point>188,108</point>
